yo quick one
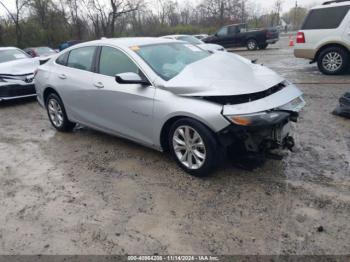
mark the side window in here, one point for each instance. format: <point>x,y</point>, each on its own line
<point>223,31</point>
<point>232,30</point>
<point>113,62</point>
<point>81,58</point>
<point>62,59</point>
<point>325,18</point>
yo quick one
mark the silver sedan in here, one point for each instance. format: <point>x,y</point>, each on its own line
<point>170,96</point>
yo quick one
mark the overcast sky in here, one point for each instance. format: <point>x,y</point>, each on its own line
<point>265,4</point>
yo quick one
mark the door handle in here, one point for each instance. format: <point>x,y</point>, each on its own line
<point>99,85</point>
<point>62,76</point>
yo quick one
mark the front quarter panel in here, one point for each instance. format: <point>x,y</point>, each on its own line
<point>168,105</point>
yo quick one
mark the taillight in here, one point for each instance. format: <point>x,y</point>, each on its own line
<point>300,38</point>
<point>269,34</point>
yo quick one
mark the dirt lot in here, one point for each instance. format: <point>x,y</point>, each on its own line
<point>90,193</point>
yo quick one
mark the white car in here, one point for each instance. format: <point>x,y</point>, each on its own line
<point>42,51</point>
<point>195,41</point>
<point>16,74</point>
<point>325,37</point>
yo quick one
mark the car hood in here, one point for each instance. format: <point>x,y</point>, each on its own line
<point>223,74</point>
<point>19,67</point>
<point>211,47</point>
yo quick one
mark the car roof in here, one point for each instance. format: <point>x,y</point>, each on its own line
<point>234,24</point>
<point>175,36</point>
<point>132,41</point>
<point>8,48</point>
<point>331,4</point>
<point>37,47</point>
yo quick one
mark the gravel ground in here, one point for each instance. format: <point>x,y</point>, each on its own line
<point>89,193</point>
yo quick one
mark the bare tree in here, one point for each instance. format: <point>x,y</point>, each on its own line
<point>19,5</point>
<point>223,11</point>
<point>276,13</point>
<point>255,12</point>
<point>104,16</point>
<point>77,19</point>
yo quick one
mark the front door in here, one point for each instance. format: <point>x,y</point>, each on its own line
<point>124,109</point>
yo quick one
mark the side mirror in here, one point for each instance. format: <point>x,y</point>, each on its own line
<point>131,78</point>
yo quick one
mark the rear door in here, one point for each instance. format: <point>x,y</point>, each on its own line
<point>73,80</point>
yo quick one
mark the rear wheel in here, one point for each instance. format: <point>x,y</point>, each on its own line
<point>57,113</point>
<point>252,44</point>
<point>194,147</point>
<point>333,61</point>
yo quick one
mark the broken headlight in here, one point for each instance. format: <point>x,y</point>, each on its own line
<point>259,119</point>
<point>295,105</point>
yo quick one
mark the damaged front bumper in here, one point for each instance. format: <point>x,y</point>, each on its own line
<point>261,138</point>
<point>264,130</point>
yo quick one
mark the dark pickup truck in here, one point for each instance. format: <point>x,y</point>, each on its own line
<point>239,36</point>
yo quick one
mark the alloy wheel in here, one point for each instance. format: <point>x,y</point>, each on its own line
<point>55,112</point>
<point>332,61</point>
<point>189,147</point>
<point>251,45</point>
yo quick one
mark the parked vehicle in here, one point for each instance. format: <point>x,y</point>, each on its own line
<point>324,37</point>
<point>170,95</point>
<point>67,44</point>
<point>42,51</point>
<point>238,35</point>
<point>195,41</point>
<point>16,74</point>
<point>201,36</point>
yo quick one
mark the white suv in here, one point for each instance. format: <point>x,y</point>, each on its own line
<point>325,37</point>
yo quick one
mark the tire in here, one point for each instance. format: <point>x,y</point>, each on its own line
<point>206,145</point>
<point>263,46</point>
<point>252,45</point>
<point>333,61</point>
<point>57,114</point>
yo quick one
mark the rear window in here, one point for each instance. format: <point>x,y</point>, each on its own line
<point>62,59</point>
<point>325,18</point>
<point>81,58</point>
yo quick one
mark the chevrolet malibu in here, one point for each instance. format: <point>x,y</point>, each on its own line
<point>171,96</point>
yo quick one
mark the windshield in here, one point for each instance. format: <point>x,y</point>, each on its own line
<point>190,39</point>
<point>44,50</point>
<point>11,54</point>
<point>168,60</point>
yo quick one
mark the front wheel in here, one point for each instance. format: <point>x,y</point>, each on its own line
<point>57,113</point>
<point>194,147</point>
<point>333,61</point>
<point>252,44</point>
